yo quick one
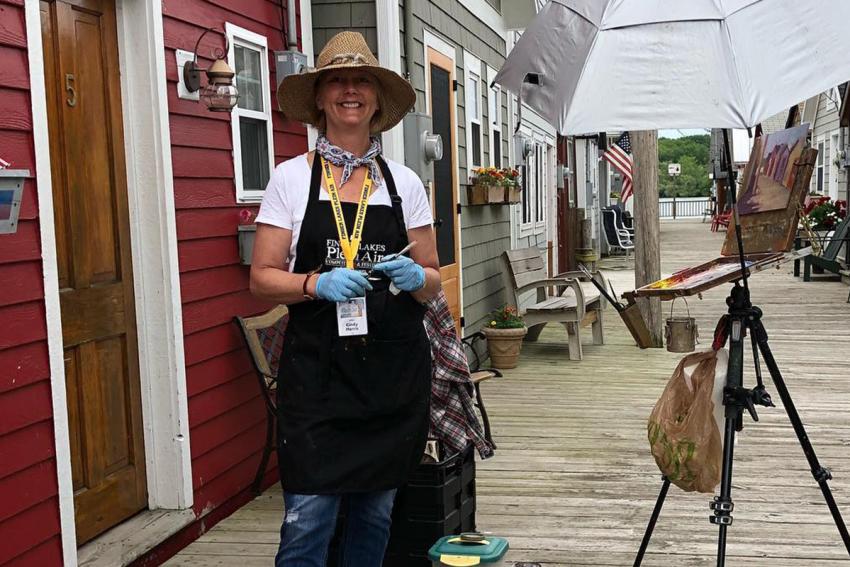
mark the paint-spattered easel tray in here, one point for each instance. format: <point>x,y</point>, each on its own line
<point>695,280</point>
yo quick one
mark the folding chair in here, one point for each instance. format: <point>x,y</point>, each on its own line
<point>264,337</point>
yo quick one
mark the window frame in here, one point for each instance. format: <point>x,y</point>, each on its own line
<point>495,124</point>
<point>472,68</point>
<point>529,171</point>
<point>247,39</point>
<point>820,174</point>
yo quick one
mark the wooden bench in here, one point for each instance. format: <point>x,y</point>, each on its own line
<point>576,303</point>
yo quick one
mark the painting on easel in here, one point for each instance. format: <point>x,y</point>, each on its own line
<point>769,176</point>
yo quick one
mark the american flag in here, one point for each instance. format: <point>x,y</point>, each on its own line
<point>619,154</point>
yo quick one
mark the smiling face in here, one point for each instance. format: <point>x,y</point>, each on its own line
<point>348,98</point>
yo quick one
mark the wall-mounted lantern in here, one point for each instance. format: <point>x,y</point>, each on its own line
<point>220,94</point>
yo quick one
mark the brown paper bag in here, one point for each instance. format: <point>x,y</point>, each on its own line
<point>683,433</point>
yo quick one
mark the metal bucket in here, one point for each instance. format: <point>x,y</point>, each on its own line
<point>681,333</point>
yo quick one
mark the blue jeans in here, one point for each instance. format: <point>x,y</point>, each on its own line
<point>309,522</point>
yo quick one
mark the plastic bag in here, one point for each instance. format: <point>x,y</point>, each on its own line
<point>683,432</point>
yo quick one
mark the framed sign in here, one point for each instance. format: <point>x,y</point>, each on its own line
<point>11,191</point>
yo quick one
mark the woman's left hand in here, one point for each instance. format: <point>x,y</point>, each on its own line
<point>406,274</point>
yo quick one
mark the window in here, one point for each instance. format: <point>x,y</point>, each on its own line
<point>820,179</point>
<point>494,119</point>
<point>251,120</point>
<point>539,182</point>
<point>529,180</point>
<point>472,88</point>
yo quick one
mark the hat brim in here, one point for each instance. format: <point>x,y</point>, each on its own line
<point>296,95</point>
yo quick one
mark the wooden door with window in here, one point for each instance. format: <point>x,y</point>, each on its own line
<point>441,95</point>
<point>94,262</point>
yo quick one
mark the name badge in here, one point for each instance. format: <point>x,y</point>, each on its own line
<point>351,317</point>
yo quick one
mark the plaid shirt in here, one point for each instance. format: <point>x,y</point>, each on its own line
<point>453,419</point>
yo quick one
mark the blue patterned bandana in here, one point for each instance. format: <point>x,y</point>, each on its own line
<point>347,160</point>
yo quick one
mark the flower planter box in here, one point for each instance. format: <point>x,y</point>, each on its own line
<point>479,194</point>
<point>513,194</point>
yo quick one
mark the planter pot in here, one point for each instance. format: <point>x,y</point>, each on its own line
<point>504,345</point>
<point>246,233</point>
<point>479,194</point>
<point>513,194</point>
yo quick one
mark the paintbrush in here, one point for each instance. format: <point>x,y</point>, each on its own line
<point>371,275</point>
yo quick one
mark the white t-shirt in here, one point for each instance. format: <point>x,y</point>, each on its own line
<point>285,200</point>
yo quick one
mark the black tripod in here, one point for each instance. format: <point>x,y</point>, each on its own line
<point>742,317</point>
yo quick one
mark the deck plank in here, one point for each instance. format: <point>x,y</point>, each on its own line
<point>573,482</point>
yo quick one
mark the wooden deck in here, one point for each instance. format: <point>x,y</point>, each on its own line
<point>573,482</point>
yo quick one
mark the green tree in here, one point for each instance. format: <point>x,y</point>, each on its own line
<point>692,152</point>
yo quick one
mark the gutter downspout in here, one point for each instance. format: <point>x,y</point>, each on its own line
<point>292,26</point>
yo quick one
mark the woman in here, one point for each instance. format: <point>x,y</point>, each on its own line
<point>354,380</point>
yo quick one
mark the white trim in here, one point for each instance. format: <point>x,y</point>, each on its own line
<point>153,233</point>
<point>389,54</point>
<point>487,14</point>
<point>820,164</point>
<point>431,40</point>
<point>44,188</point>
<point>472,70</point>
<point>307,48</point>
<point>254,41</point>
<point>834,141</point>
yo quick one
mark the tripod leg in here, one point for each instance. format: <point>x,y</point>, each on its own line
<point>665,486</point>
<point>722,505</point>
<point>820,474</point>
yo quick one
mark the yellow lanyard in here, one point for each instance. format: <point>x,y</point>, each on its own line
<point>350,245</point>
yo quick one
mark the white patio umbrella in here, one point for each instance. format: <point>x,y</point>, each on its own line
<point>609,65</point>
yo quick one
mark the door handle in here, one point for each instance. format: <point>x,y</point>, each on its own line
<point>69,88</point>
<point>438,223</point>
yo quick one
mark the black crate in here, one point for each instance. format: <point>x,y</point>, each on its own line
<point>439,500</point>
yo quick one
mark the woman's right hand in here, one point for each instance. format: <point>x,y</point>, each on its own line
<point>341,284</point>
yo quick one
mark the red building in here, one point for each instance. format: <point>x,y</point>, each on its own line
<point>126,394</point>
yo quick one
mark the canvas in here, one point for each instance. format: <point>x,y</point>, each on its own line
<point>769,175</point>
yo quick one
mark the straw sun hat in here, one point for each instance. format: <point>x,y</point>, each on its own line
<point>296,94</point>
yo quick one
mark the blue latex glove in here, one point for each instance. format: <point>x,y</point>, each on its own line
<point>341,284</point>
<point>406,274</point>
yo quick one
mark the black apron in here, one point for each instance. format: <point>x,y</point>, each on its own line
<point>352,411</point>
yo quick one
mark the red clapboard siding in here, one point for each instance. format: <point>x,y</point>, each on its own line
<point>22,282</point>
<point>29,201</point>
<point>194,132</point>
<point>46,553</point>
<point>217,371</point>
<point>22,324</point>
<point>27,488</point>
<point>195,286</point>
<point>226,485</point>
<point>217,401</point>
<point>202,162</point>
<point>17,147</point>
<point>25,406</point>
<point>206,15</point>
<point>14,107</point>
<point>206,223</point>
<point>23,365</point>
<point>23,245</point>
<point>208,436</point>
<point>209,343</point>
<point>242,447</point>
<point>201,315</point>
<point>12,27</point>
<point>30,529</point>
<point>194,193</point>
<point>13,68</point>
<point>208,253</point>
<point>30,445</point>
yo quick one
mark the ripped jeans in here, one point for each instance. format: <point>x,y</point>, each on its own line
<point>310,520</point>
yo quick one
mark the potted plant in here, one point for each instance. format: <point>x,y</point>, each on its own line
<point>505,332</point>
<point>513,190</point>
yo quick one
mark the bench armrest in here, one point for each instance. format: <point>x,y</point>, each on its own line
<point>544,283</point>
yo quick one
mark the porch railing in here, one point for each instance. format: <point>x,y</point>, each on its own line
<point>683,207</point>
